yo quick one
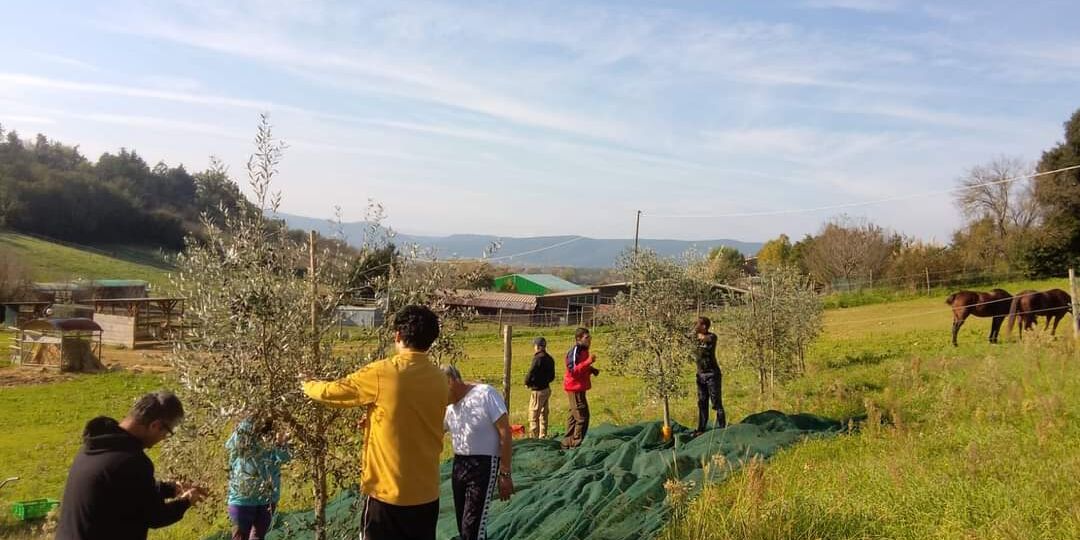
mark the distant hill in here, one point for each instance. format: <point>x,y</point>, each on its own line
<point>581,253</point>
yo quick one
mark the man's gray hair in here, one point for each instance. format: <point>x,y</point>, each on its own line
<point>451,372</point>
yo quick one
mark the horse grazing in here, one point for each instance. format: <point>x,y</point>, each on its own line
<point>992,304</point>
<point>1030,305</point>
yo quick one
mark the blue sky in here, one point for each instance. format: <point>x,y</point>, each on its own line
<point>538,118</point>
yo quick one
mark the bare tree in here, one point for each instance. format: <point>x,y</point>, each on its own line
<point>14,276</point>
<point>997,192</point>
<point>850,250</point>
<point>1000,209</point>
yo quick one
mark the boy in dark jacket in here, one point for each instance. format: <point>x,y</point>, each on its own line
<point>709,377</point>
<point>577,381</point>
<point>539,380</point>
<point>111,491</point>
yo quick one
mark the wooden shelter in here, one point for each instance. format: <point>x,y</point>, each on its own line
<point>84,291</point>
<point>16,314</point>
<point>130,321</point>
<point>64,344</point>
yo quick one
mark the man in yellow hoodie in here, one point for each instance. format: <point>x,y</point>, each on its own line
<point>405,397</point>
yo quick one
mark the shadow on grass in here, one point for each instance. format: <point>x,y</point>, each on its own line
<point>866,358</point>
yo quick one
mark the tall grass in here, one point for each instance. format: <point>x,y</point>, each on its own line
<point>966,447</point>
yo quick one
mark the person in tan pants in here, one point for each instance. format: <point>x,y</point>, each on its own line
<point>539,378</point>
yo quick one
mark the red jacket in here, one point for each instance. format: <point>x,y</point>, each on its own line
<point>579,369</point>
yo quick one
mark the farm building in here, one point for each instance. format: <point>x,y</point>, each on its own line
<point>359,316</point>
<point>84,291</point>
<point>608,291</point>
<point>571,303</point>
<point>556,309</point>
<point>65,344</point>
<point>131,321</point>
<point>16,314</point>
<point>534,284</point>
<point>492,303</point>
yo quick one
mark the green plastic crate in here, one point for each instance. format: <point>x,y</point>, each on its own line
<point>37,508</point>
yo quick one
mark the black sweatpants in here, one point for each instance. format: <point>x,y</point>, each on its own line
<point>473,479</point>
<point>708,389</point>
<point>385,521</point>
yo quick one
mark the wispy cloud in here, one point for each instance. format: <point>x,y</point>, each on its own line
<point>872,6</point>
<point>64,61</point>
<point>369,71</point>
<point>21,79</point>
<point>24,119</point>
<point>676,104</point>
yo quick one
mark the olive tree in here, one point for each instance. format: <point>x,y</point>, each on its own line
<point>779,319</point>
<point>652,324</point>
<point>261,303</point>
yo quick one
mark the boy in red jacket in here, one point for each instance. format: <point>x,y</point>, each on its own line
<point>578,380</point>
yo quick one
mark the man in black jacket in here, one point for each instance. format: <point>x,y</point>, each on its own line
<point>111,492</point>
<point>539,380</point>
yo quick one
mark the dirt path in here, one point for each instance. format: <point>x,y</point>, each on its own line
<point>114,359</point>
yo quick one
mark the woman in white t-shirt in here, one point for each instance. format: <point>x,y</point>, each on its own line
<point>480,430</point>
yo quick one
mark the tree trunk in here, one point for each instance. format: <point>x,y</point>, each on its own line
<point>320,498</point>
<point>663,381</point>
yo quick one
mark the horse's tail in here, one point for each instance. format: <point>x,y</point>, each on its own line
<point>950,299</point>
<point>1012,314</point>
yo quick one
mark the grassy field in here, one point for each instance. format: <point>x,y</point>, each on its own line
<point>47,261</point>
<point>979,440</point>
<point>42,426</point>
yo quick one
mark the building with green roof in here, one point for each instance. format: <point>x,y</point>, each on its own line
<point>535,284</point>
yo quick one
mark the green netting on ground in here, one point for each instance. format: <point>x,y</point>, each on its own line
<point>610,488</point>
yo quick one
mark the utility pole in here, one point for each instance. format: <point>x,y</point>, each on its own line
<point>637,231</point>
<point>314,294</point>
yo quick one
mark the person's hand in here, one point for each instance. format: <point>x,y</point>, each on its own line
<point>595,372</point>
<point>283,438</point>
<point>180,486</point>
<point>506,488</point>
<point>194,495</point>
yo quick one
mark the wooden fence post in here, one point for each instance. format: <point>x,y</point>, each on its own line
<point>1075,303</point>
<point>508,333</point>
<point>314,295</point>
<point>927,281</point>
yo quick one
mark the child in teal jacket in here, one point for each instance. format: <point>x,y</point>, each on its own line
<point>255,459</point>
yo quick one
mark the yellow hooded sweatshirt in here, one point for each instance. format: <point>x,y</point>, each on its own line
<point>406,397</point>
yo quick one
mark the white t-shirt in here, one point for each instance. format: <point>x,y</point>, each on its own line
<point>471,422</point>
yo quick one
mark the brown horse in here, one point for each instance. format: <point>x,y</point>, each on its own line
<point>992,304</point>
<point>1030,305</point>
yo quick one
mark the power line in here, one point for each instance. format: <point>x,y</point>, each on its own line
<point>858,203</point>
<point>530,252</point>
<point>504,257</point>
